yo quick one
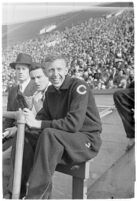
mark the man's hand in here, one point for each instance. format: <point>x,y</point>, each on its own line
<point>30,119</point>
<point>10,132</point>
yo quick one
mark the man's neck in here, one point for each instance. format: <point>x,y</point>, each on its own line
<point>22,82</point>
<point>43,90</point>
<point>23,85</point>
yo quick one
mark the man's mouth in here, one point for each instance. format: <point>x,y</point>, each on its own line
<point>55,80</point>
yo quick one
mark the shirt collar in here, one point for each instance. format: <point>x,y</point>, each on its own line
<point>24,85</point>
<point>43,91</point>
<point>64,86</point>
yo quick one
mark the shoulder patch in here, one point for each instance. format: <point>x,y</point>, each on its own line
<point>81,89</point>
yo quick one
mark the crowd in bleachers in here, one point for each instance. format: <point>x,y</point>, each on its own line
<point>100,51</point>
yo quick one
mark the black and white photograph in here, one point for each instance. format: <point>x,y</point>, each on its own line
<point>68,100</point>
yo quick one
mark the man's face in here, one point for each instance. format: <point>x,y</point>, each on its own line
<point>56,72</point>
<point>22,72</point>
<point>39,79</point>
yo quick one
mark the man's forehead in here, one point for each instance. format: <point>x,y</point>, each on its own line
<point>59,62</point>
<point>37,72</point>
<point>22,66</point>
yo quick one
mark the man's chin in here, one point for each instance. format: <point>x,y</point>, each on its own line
<point>21,79</point>
<point>57,86</point>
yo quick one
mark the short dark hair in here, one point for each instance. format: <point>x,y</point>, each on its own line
<point>35,66</point>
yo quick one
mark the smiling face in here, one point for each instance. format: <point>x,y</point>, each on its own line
<point>56,72</point>
<point>40,80</point>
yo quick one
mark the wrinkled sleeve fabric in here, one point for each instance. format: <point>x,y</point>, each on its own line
<point>7,123</point>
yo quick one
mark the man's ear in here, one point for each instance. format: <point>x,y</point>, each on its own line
<point>66,71</point>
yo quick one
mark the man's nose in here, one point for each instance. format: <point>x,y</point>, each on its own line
<point>55,72</point>
<point>20,71</point>
<point>36,80</point>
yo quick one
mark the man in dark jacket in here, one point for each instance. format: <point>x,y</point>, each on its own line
<point>68,127</point>
<point>40,82</point>
<point>125,104</point>
<point>19,95</point>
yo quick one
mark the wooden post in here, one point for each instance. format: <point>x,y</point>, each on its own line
<point>18,156</point>
<point>79,188</point>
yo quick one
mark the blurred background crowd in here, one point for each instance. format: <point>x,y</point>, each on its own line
<point>100,51</point>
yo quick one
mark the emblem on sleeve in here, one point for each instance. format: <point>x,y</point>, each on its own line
<point>81,89</point>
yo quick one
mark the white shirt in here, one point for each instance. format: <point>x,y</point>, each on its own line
<point>22,86</point>
<point>38,98</point>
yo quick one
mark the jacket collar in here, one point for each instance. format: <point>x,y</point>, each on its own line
<point>64,86</point>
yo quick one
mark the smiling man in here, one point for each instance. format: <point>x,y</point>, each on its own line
<point>68,128</point>
<point>57,72</point>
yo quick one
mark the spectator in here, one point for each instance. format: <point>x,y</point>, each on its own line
<point>68,134</point>
<point>124,102</point>
<point>97,44</point>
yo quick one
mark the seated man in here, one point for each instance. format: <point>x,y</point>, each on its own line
<point>124,102</point>
<point>68,129</point>
<point>40,82</point>
<point>24,88</point>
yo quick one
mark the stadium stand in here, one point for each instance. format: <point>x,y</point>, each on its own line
<point>99,50</point>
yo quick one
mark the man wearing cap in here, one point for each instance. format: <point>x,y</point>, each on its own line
<point>18,97</point>
<point>41,82</point>
<point>68,128</point>
<point>21,93</point>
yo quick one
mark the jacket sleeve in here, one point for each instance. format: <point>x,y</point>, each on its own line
<point>7,123</point>
<point>44,114</point>
<point>75,117</point>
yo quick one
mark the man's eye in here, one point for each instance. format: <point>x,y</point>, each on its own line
<point>59,69</point>
<point>51,70</point>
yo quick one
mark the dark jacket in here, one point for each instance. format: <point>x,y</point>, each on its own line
<point>72,108</point>
<point>15,102</point>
